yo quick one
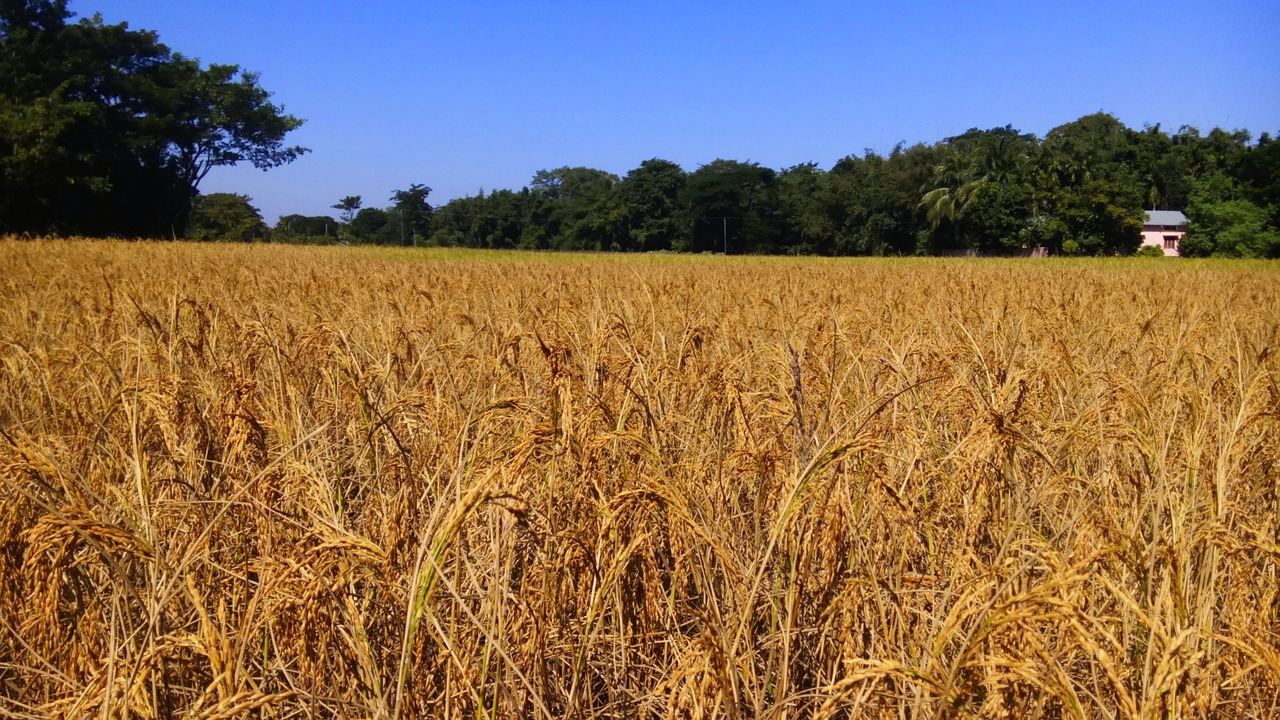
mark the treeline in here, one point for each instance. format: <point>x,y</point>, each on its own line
<point>1082,189</point>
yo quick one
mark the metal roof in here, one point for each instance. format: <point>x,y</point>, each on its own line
<point>1166,217</point>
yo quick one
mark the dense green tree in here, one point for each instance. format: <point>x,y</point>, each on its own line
<point>506,216</point>
<point>580,209</point>
<point>1258,173</point>
<point>1226,224</point>
<point>1220,150</point>
<point>105,131</point>
<point>998,219</point>
<point>1095,144</point>
<point>373,226</point>
<point>1089,189</point>
<point>858,200</point>
<point>452,223</point>
<point>732,207</point>
<point>850,194</point>
<point>1001,207</point>
<point>226,216</point>
<point>1003,154</point>
<point>348,205</point>
<point>501,219</point>
<point>413,213</point>
<point>651,201</point>
<point>1081,190</point>
<point>808,227</point>
<point>955,183</point>
<point>999,191</point>
<point>305,229</point>
<point>1104,217</point>
<point>1231,228</point>
<point>1163,170</point>
<point>983,170</point>
<point>904,172</point>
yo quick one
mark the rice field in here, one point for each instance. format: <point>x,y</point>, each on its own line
<point>285,482</point>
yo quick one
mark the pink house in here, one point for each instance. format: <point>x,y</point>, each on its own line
<point>1164,229</point>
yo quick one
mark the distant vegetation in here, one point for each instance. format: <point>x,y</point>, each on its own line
<point>105,131</point>
<point>1083,188</point>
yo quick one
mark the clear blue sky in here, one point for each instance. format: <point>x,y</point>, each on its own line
<point>465,95</point>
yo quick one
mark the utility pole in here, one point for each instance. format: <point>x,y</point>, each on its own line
<point>724,219</point>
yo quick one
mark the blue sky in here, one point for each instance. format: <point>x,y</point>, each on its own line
<point>468,95</point>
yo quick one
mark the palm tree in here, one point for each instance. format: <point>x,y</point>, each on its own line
<point>1002,160</point>
<point>959,179</point>
<point>955,182</point>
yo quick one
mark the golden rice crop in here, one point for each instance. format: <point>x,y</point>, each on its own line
<point>282,482</point>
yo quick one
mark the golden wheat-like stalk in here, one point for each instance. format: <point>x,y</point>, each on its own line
<point>244,481</point>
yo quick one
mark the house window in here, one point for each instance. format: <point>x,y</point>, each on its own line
<point>1170,242</point>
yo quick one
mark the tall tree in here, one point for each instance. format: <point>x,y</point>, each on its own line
<point>582,209</point>
<point>1224,223</point>
<point>348,205</point>
<point>104,130</point>
<point>807,222</point>
<point>1091,192</point>
<point>955,182</point>
<point>979,171</point>
<point>413,213</point>
<point>857,201</point>
<point>651,195</point>
<point>374,226</point>
<point>305,229</point>
<point>732,207</point>
<point>1259,175</point>
<point>226,216</point>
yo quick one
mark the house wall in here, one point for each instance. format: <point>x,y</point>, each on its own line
<point>1155,234</point>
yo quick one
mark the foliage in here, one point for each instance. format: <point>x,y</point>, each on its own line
<point>372,225</point>
<point>226,216</point>
<point>1225,224</point>
<point>873,201</point>
<point>580,208</point>
<point>733,208</point>
<point>651,198</point>
<point>998,218</point>
<point>800,207</point>
<point>106,131</point>
<point>305,229</point>
<point>1083,189</point>
<point>413,213</point>
<point>348,205</point>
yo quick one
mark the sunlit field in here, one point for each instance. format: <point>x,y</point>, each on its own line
<point>266,481</point>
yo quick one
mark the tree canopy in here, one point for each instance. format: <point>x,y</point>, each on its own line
<point>1082,189</point>
<point>106,131</point>
<point>226,216</point>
